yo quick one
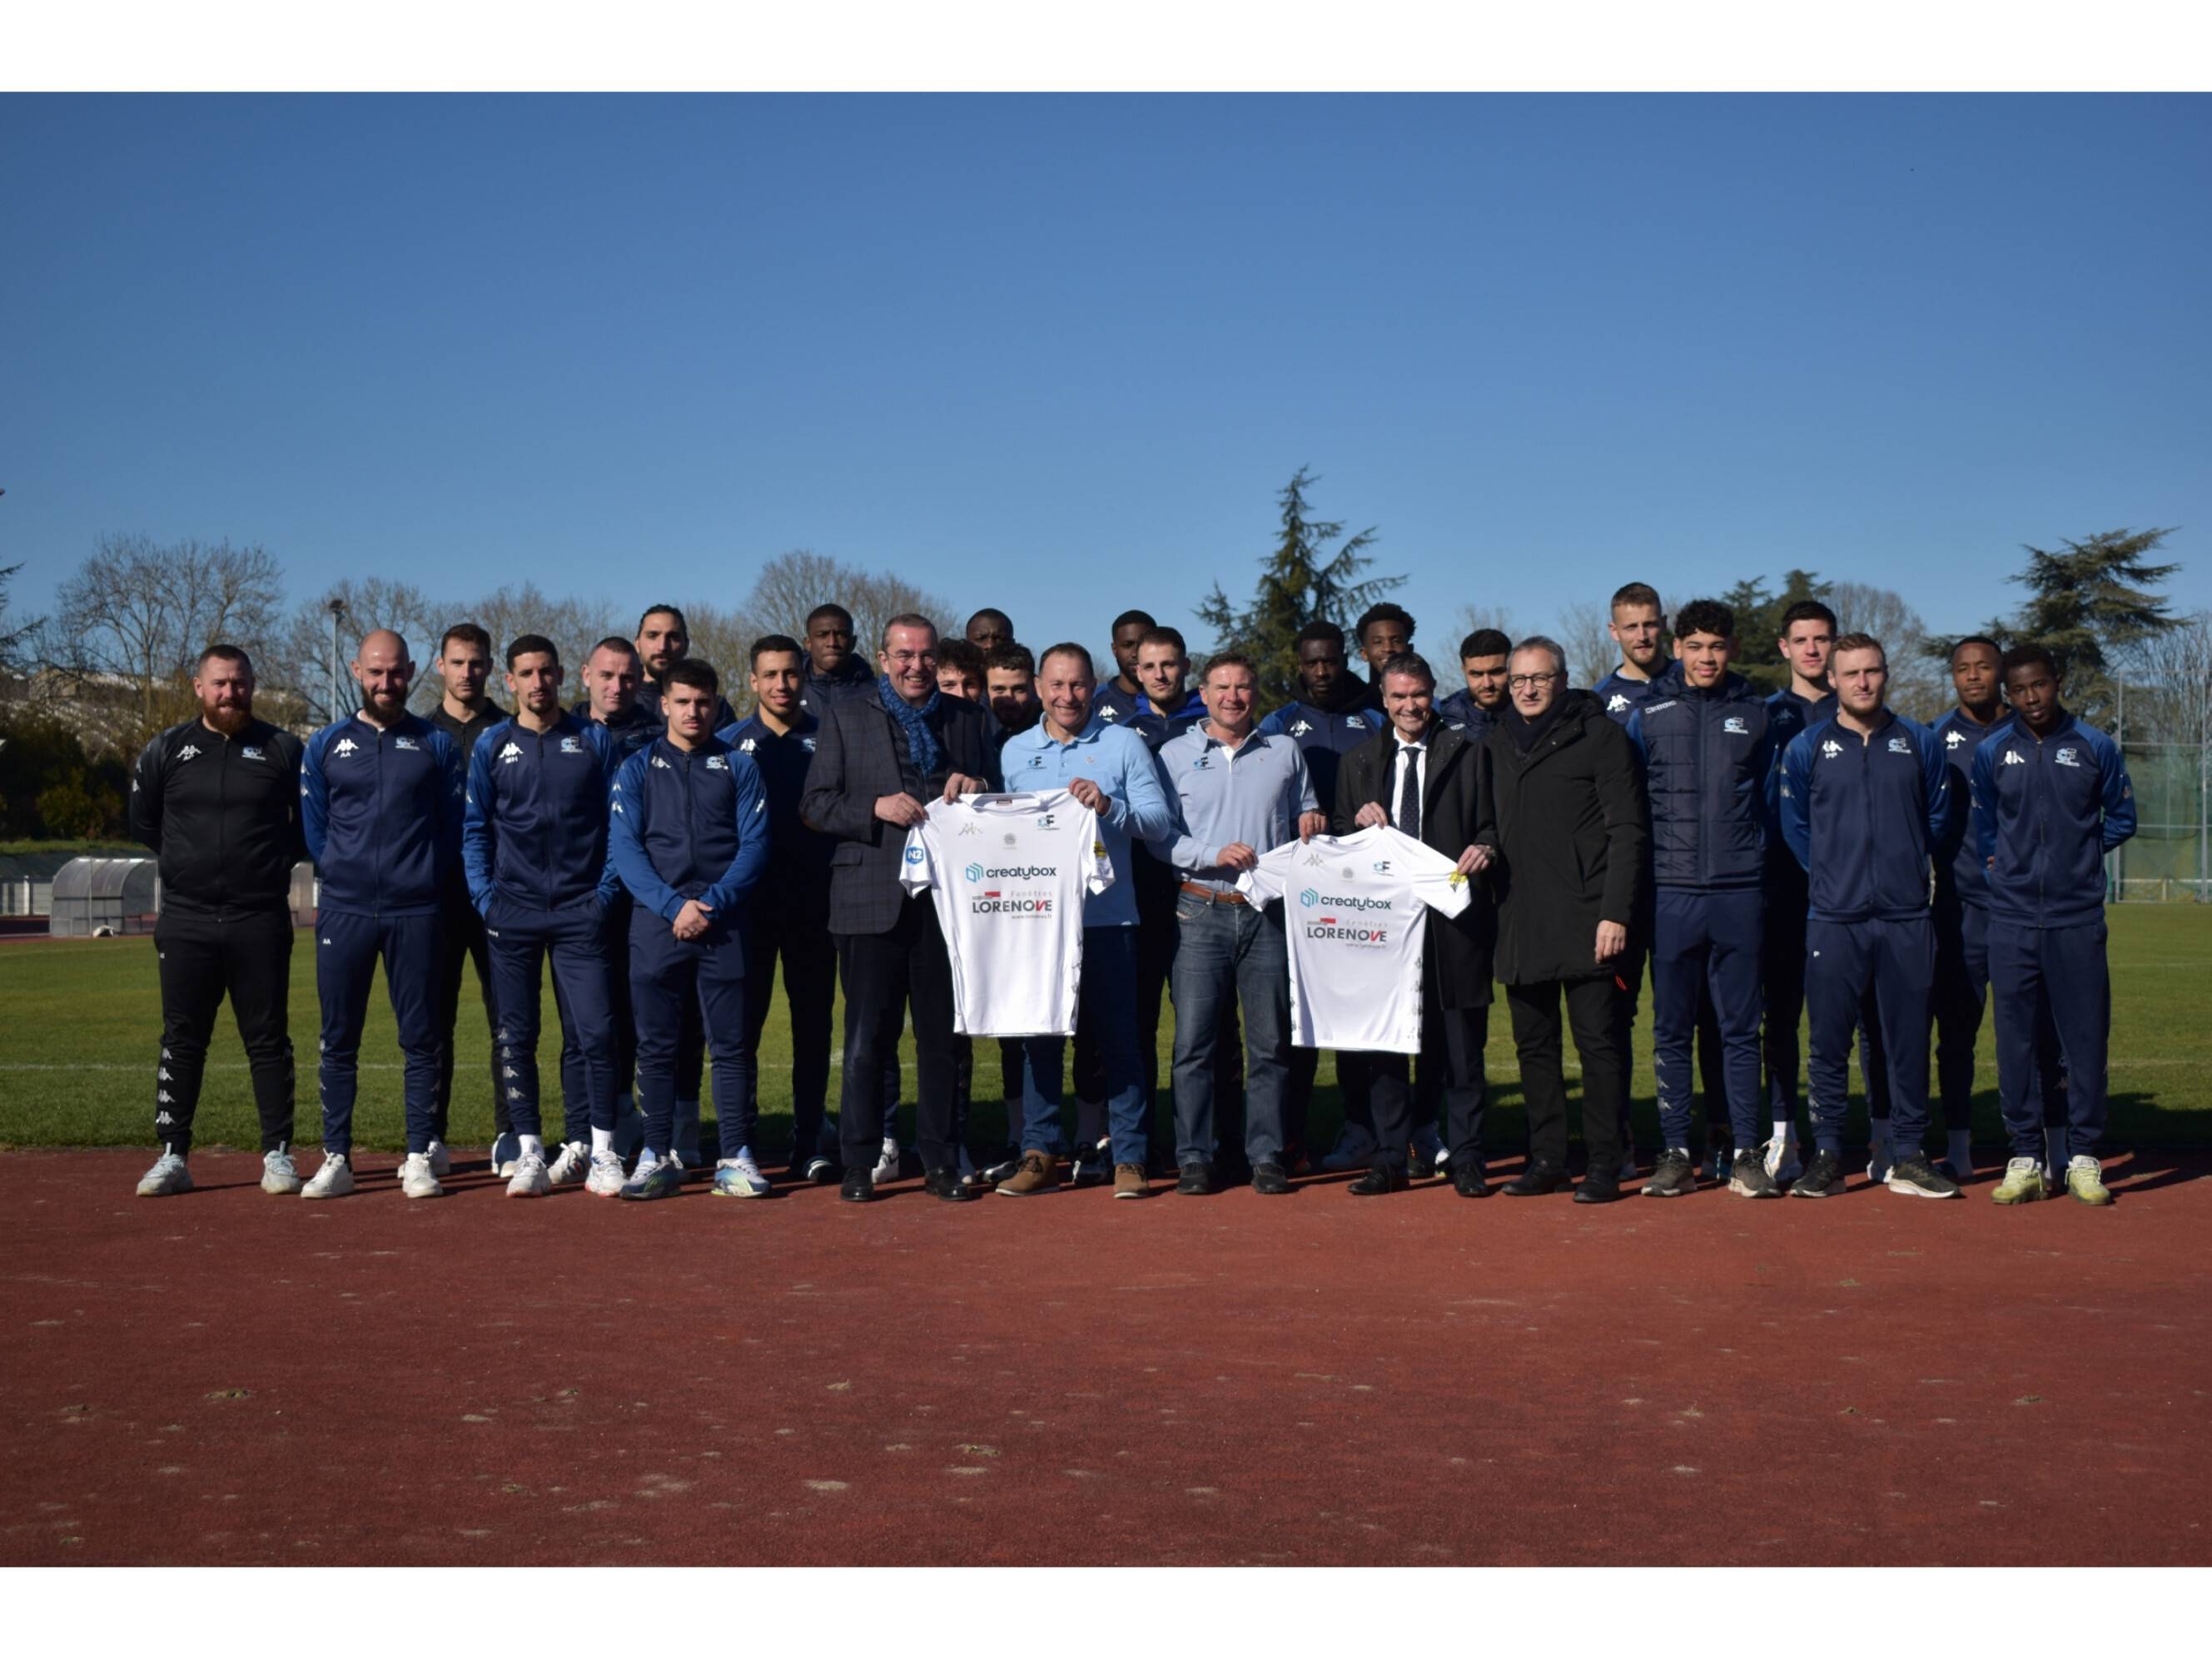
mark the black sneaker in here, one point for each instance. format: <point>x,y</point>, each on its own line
<point>1471,1182</point>
<point>1601,1188</point>
<point>859,1186</point>
<point>1270,1179</point>
<point>1538,1179</point>
<point>1196,1180</point>
<point>1673,1175</point>
<point>1823,1176</point>
<point>946,1184</point>
<point>1747,1176</point>
<point>1382,1179</point>
<point>1917,1177</point>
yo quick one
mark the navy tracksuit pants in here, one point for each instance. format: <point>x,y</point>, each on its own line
<point>347,946</point>
<point>2056,981</point>
<point>1707,943</point>
<point>669,977</point>
<point>1962,989</point>
<point>1891,965</point>
<point>521,939</point>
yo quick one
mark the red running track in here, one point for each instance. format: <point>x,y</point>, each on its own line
<point>229,1377</point>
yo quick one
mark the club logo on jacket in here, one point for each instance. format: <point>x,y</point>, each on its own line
<point>1734,726</point>
<point>1832,749</point>
<point>716,763</point>
<point>571,746</point>
<point>1899,746</point>
<point>2068,758</point>
<point>1355,722</point>
<point>250,752</point>
<point>512,753</point>
<point>405,743</point>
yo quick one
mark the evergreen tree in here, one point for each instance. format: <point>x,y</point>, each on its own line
<point>1302,580</point>
<point>2092,602</point>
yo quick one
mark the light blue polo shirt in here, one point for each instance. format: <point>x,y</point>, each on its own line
<point>1137,805</point>
<point>1253,794</point>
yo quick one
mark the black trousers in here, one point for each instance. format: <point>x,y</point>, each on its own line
<point>884,973</point>
<point>202,956</point>
<point>1452,1041</point>
<point>1010,1086</point>
<point>1597,1010</point>
<point>1354,1077</point>
<point>463,942</point>
<point>795,932</point>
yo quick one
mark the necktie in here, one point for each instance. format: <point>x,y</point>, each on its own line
<point>1409,794</point>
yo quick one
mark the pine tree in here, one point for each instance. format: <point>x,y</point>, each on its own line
<point>1300,581</point>
<point>2092,602</point>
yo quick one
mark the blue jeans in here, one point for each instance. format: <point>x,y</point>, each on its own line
<point>1225,951</point>
<point>1108,1002</point>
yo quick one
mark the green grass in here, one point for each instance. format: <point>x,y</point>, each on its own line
<point>80,1021</point>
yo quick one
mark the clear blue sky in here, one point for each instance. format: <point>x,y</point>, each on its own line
<point>1058,353</point>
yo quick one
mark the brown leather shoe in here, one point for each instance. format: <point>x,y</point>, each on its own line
<point>1039,1173</point>
<point>1129,1181</point>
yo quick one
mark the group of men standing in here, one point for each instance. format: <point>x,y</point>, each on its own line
<point>1764,854</point>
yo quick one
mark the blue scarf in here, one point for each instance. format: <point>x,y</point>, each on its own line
<point>922,746</point>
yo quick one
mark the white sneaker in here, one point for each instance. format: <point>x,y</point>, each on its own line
<point>740,1176</point>
<point>279,1174</point>
<point>168,1177</point>
<point>1782,1160</point>
<point>531,1179</point>
<point>1880,1156</point>
<point>605,1180</point>
<point>568,1168</point>
<point>1354,1149</point>
<point>418,1178</point>
<point>333,1180</point>
<point>887,1165</point>
<point>967,1169</point>
<point>506,1154</point>
<point>442,1161</point>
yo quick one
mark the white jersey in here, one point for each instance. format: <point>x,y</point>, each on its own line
<point>1008,875</point>
<point>1354,921</point>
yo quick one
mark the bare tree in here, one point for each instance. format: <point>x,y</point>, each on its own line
<point>790,586</point>
<point>2168,677</point>
<point>575,626</point>
<point>1581,628</point>
<point>136,614</point>
<point>15,636</point>
<point>1474,617</point>
<point>1918,686</point>
<point>302,661</point>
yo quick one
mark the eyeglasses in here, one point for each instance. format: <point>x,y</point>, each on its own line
<point>906,659</point>
<point>1529,682</point>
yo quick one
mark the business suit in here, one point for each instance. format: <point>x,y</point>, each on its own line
<point>1456,951</point>
<point>889,945</point>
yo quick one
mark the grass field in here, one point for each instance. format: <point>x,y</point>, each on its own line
<point>80,1021</point>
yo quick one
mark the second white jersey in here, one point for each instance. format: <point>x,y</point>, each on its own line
<point>1008,875</point>
<point>1354,917</point>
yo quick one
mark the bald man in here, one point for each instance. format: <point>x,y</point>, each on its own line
<point>381,796</point>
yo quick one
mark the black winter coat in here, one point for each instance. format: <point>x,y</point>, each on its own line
<point>1454,810</point>
<point>1573,836</point>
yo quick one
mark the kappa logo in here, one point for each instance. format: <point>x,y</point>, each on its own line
<point>661,761</point>
<point>971,829</point>
<point>1954,740</point>
<point>162,1120</point>
<point>188,751</point>
<point>1832,749</point>
<point>1313,859</point>
<point>2013,757</point>
<point>1733,724</point>
<point>1899,746</point>
<point>163,1075</point>
<point>1615,704</point>
<point>617,806</point>
<point>748,746</point>
<point>1301,729</point>
<point>1110,714</point>
<point>512,753</point>
<point>408,744</point>
<point>343,747</point>
<point>2068,758</point>
<point>166,1099</point>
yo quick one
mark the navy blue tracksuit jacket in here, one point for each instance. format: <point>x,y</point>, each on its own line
<point>1325,736</point>
<point>1623,696</point>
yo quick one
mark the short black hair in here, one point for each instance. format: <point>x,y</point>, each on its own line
<point>690,671</point>
<point>992,611</point>
<point>1136,618</point>
<point>1484,642</point>
<point>822,611</point>
<point>530,645</point>
<point>769,644</point>
<point>1973,639</point>
<point>1412,663</point>
<point>467,633</point>
<point>1803,610</point>
<point>962,656</point>
<point>1011,658</point>
<point>1070,648</point>
<point>1322,629</point>
<point>652,610</point>
<point>2028,656</point>
<point>1708,616</point>
<point>225,653</point>
<point>1385,611</point>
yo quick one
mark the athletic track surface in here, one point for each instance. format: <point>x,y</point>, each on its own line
<point>233,1378</point>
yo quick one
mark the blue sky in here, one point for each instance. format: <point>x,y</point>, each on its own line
<point>1058,353</point>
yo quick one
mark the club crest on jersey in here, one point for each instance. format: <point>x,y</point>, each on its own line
<point>571,746</point>
<point>1734,724</point>
<point>1046,820</point>
<point>1355,722</point>
<point>1202,763</point>
<point>512,753</point>
<point>344,746</point>
<point>2068,758</point>
<point>1832,749</point>
<point>1899,746</point>
<point>1615,704</point>
<point>187,751</point>
<point>716,763</point>
<point>1381,867</point>
<point>2013,757</point>
<point>250,752</point>
<point>405,743</point>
